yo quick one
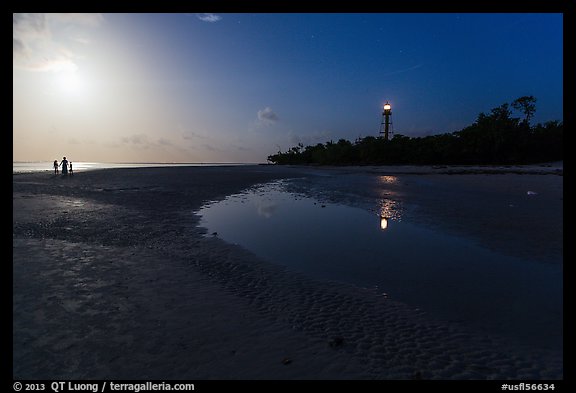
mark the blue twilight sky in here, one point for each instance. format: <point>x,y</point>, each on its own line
<point>238,87</point>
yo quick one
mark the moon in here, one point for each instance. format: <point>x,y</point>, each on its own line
<point>71,83</point>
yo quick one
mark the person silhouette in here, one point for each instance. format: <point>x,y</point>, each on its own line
<point>64,164</point>
<point>71,173</point>
<point>55,167</point>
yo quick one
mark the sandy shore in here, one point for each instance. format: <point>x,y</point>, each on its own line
<point>113,279</point>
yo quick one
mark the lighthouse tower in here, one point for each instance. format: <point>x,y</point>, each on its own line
<point>385,125</point>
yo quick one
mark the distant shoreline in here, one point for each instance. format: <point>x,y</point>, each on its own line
<point>551,168</point>
<point>46,166</point>
<point>547,168</point>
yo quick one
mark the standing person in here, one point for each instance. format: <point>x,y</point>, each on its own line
<point>64,164</point>
<point>55,167</point>
<point>71,173</point>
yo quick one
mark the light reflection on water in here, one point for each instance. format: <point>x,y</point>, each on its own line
<point>390,209</point>
<point>383,223</point>
<point>447,276</point>
<point>387,179</point>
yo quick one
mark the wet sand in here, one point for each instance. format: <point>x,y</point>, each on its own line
<point>113,279</point>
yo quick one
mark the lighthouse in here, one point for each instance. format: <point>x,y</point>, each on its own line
<point>385,125</point>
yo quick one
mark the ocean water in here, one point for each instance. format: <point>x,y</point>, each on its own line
<point>450,277</point>
<point>81,166</point>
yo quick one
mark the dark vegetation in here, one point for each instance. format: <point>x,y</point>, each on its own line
<point>494,138</point>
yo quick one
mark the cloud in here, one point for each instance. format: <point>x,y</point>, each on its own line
<point>165,142</point>
<point>267,116</point>
<point>403,70</point>
<point>136,139</point>
<point>18,45</point>
<point>212,148</point>
<point>27,30</point>
<point>143,142</point>
<point>190,135</point>
<point>85,19</point>
<point>41,41</point>
<point>210,18</point>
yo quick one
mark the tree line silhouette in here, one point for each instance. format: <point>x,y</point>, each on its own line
<point>494,138</point>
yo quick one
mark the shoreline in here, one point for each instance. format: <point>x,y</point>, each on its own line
<point>121,267</point>
<point>546,168</point>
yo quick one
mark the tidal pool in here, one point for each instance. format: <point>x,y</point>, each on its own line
<point>449,277</point>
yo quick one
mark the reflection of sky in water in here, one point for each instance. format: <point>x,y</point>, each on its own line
<point>266,209</point>
<point>447,276</point>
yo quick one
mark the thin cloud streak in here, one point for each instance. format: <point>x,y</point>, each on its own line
<point>37,46</point>
<point>210,18</point>
<point>404,70</point>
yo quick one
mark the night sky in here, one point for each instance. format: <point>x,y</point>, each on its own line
<point>238,87</point>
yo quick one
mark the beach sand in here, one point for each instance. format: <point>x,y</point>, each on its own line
<point>114,279</point>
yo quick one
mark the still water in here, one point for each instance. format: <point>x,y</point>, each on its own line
<point>447,276</point>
